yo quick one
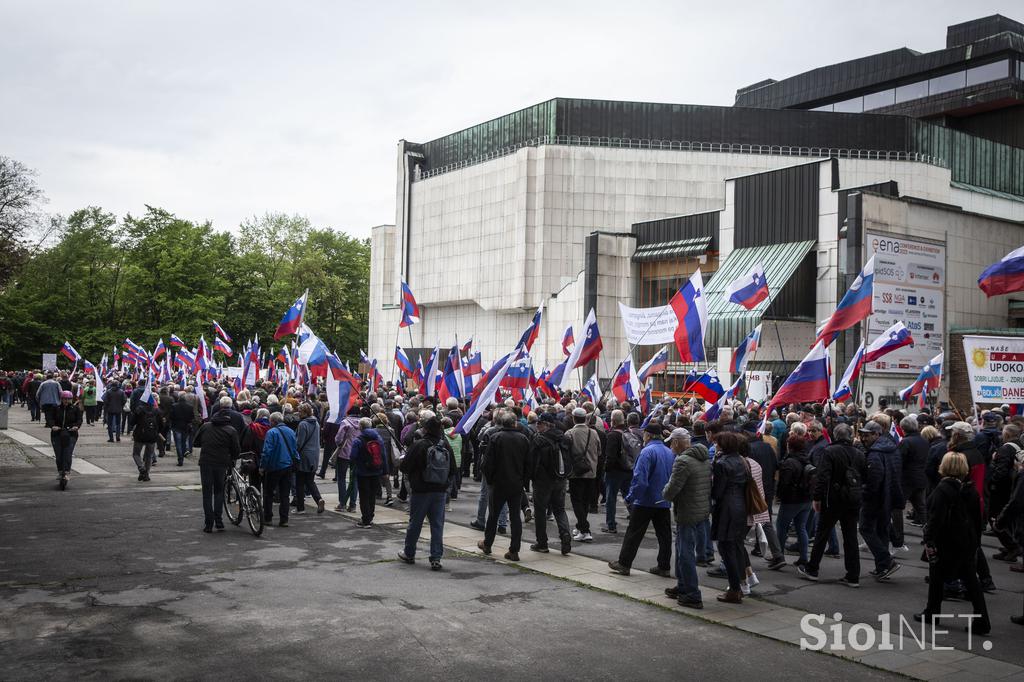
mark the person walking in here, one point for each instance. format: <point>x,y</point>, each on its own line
<point>429,467</point>
<point>217,441</point>
<point>344,474</point>
<point>651,474</point>
<point>64,421</point>
<point>145,434</point>
<point>586,450</point>
<point>307,441</point>
<point>505,468</point>
<point>913,456</point>
<point>729,509</point>
<point>689,490</point>
<point>48,393</point>
<point>552,464</point>
<point>622,447</point>
<point>794,491</point>
<point>837,495</point>
<point>114,400</point>
<point>277,462</point>
<point>952,536</point>
<point>369,462</point>
<point>181,427</point>
<point>89,401</point>
<point>881,494</point>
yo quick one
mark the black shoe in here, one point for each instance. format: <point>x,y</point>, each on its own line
<point>145,477</point>
<point>110,440</point>
<point>689,603</point>
<point>142,476</point>
<point>987,585</point>
<point>1017,620</point>
<point>672,592</point>
<point>219,525</point>
<point>180,463</point>
<point>663,572</point>
<point>207,529</point>
<point>299,510</point>
<point>543,549</point>
<point>609,529</point>
<point>406,559</point>
<point>806,573</point>
<point>435,565</point>
<point>360,524</point>
<point>478,526</point>
<point>616,567</point>
<point>776,564</point>
<point>502,530</point>
<point>1010,555</point>
<point>512,556</point>
<point>566,546</point>
<point>756,552</point>
<point>282,524</point>
<point>717,572</point>
<point>849,583</point>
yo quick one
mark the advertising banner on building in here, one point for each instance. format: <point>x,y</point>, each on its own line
<point>995,367</point>
<point>648,326</point>
<point>910,284</point>
<point>49,362</point>
<point>759,385</point>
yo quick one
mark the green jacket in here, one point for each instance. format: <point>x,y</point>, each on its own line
<point>89,396</point>
<point>689,486</point>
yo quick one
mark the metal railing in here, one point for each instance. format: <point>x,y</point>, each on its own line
<point>671,145</point>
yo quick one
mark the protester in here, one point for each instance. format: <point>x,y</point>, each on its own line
<point>506,467</point>
<point>552,464</point>
<point>689,490</point>
<point>64,420</point>
<point>729,509</point>
<point>307,442</point>
<point>586,446</point>
<point>370,463</point>
<point>430,466</point>
<point>145,434</point>
<point>882,494</point>
<point>277,462</point>
<point>218,449</point>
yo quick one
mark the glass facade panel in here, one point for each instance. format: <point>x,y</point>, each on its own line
<point>951,81</point>
<point>823,107</point>
<point>988,72</point>
<point>850,106</point>
<point>877,100</point>
<point>905,93</point>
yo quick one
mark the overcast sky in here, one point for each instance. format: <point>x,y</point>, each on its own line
<point>225,109</point>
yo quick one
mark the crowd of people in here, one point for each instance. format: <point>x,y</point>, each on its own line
<point>723,483</point>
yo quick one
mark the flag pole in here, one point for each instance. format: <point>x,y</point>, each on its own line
<point>394,363</point>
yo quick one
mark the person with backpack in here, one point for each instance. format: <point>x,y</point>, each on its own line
<point>218,449</point>
<point>1000,486</point>
<point>506,469</point>
<point>586,446</point>
<point>277,462</point>
<point>429,467</point>
<point>64,420</point>
<point>650,476</point>
<point>794,491</point>
<point>882,493</point>
<point>146,432</point>
<point>621,450</point>
<point>369,461</point>
<point>952,536</point>
<point>837,493</point>
<point>552,464</point>
<point>307,442</point>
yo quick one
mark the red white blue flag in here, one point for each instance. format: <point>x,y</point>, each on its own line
<point>854,307</point>
<point>844,390</point>
<point>586,349</point>
<point>809,381</point>
<point>222,346</point>
<point>1004,277</point>
<point>567,341</point>
<point>690,308</point>
<point>68,351</point>
<point>741,356</point>
<point>657,364</point>
<point>749,289</point>
<point>896,336</point>
<point>402,362</point>
<point>220,332</point>
<point>410,309</point>
<point>289,324</point>
<point>532,331</point>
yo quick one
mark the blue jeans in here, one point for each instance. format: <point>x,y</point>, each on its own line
<point>182,442</point>
<point>113,425</point>
<point>431,507</point>
<point>705,546</point>
<point>481,507</point>
<point>615,482</point>
<point>790,513</point>
<point>686,561</point>
<point>874,528</point>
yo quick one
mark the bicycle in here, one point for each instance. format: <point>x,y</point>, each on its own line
<point>241,498</point>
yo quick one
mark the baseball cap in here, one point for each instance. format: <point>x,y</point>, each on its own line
<point>871,427</point>
<point>654,428</point>
<point>678,432</point>
<point>990,416</point>
<point>579,412</point>
<point>546,418</point>
<point>962,428</point>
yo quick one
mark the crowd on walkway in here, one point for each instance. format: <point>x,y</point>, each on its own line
<point>722,484</point>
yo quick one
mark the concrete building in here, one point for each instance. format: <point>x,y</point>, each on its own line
<point>576,204</point>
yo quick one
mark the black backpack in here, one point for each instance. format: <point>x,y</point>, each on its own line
<point>437,466</point>
<point>554,456</point>
<point>146,427</point>
<point>631,447</point>
<point>847,486</point>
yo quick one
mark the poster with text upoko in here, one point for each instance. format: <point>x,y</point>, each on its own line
<point>995,367</point>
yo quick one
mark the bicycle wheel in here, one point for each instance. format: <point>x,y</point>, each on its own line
<point>254,510</point>
<point>233,501</point>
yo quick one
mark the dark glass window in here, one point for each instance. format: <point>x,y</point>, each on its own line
<point>905,93</point>
<point>877,100</point>
<point>950,81</point>
<point>850,106</point>
<point>988,72</point>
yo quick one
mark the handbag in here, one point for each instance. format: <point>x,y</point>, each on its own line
<point>755,500</point>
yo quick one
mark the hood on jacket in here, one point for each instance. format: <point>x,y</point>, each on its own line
<point>698,452</point>
<point>885,444</point>
<point>221,418</point>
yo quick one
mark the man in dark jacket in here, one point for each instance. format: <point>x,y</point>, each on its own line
<point>1000,486</point>
<point>218,448</point>
<point>64,420</point>
<point>837,494</point>
<point>427,497</point>
<point>914,456</point>
<point>882,493</point>
<point>551,468</point>
<point>763,453</point>
<point>369,461</point>
<point>181,427</point>
<point>145,434</point>
<point>506,466</point>
<point>620,447</point>
<point>113,409</point>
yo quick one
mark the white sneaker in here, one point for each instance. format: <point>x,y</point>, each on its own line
<point>752,580</point>
<point>586,537</point>
<point>448,508</point>
<point>901,548</point>
<point>745,588</point>
<point>576,534</point>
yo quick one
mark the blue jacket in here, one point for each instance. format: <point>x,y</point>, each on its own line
<point>358,456</point>
<point>651,472</point>
<point>279,449</point>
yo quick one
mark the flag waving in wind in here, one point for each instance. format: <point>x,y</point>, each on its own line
<point>691,312</point>
<point>809,381</point>
<point>68,351</point>
<point>749,289</point>
<point>843,391</point>
<point>532,331</point>
<point>222,346</point>
<point>656,365</point>
<point>402,362</point>
<point>896,336</point>
<point>410,309</point>
<point>176,342</point>
<point>741,356</point>
<point>855,305</point>
<point>220,332</point>
<point>567,341</point>
<point>289,324</point>
<point>584,351</point>
<point>1004,277</point>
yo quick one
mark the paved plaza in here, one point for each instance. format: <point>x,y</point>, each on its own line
<point>113,579</point>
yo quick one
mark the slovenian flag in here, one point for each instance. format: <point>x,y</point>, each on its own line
<point>928,380</point>
<point>708,387</point>
<point>532,331</point>
<point>588,349</point>
<point>402,362</point>
<point>410,309</point>
<point>741,356</point>
<point>691,312</point>
<point>592,390</point>
<point>429,385</point>
<point>625,386</point>
<point>518,375</point>
<point>854,307</point>
<point>222,346</point>
<point>452,385</point>
<point>176,342</point>
<point>656,365</point>
<point>809,381</point>
<point>220,332</point>
<point>1006,276</point>
<point>896,336</point>
<point>289,324</point>
<point>486,391</point>
<point>567,341</point>
<point>749,289</point>
<point>68,351</point>
<point>160,349</point>
<point>844,390</point>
